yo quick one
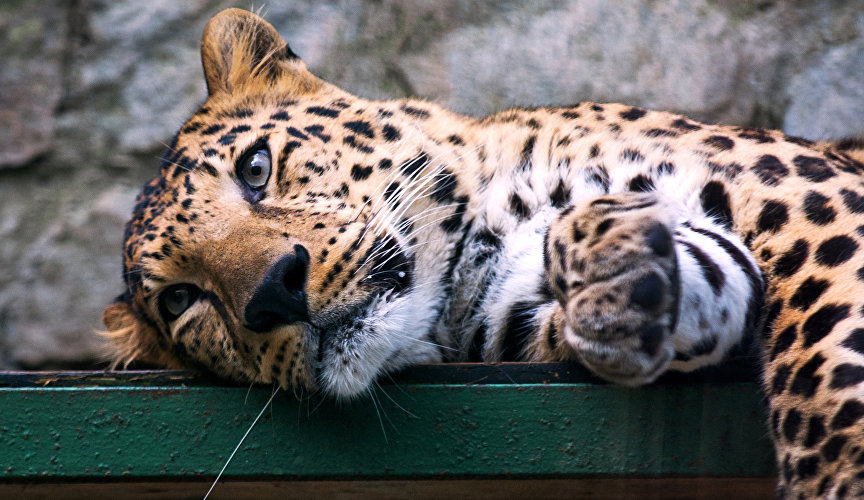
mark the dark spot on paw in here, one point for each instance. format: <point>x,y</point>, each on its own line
<point>561,284</point>
<point>603,227</point>
<point>651,338</point>
<point>659,240</point>
<point>577,235</point>
<point>648,292</point>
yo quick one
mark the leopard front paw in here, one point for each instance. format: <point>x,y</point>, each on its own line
<point>612,266</point>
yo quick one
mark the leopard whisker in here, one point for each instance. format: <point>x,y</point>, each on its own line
<point>380,420</point>
<point>420,178</point>
<point>403,225</point>
<point>394,401</point>
<point>408,221</point>
<point>396,385</point>
<point>388,179</point>
<point>427,342</point>
<point>269,401</point>
<point>417,186</point>
<point>424,180</point>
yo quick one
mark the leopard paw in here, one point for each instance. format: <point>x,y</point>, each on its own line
<point>612,265</point>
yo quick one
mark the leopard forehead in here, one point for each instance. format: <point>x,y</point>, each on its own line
<point>328,156</point>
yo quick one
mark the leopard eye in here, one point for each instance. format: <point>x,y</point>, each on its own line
<point>176,299</point>
<point>255,169</point>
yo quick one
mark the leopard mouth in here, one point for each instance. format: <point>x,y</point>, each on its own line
<point>348,347</point>
<point>351,343</point>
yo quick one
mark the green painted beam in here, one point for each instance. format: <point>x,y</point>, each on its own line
<point>451,422</point>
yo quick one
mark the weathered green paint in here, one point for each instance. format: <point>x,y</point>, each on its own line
<point>121,426</point>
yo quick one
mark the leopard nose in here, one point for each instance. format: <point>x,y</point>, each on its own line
<point>280,299</point>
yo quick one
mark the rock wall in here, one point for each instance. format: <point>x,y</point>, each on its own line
<point>91,90</point>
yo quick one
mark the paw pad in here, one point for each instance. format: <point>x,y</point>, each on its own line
<point>651,338</point>
<point>659,240</point>
<point>648,292</point>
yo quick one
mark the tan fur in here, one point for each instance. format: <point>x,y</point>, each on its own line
<point>132,339</point>
<point>333,157</point>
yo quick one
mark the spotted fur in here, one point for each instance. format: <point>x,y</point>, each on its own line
<point>389,233</point>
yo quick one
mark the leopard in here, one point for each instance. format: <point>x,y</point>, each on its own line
<point>299,235</point>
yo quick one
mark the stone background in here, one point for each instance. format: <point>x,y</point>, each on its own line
<point>90,90</point>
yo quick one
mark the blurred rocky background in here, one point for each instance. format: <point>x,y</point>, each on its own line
<point>91,90</point>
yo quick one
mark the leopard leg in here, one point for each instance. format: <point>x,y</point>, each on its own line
<point>643,287</point>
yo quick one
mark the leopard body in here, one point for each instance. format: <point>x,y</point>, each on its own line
<point>390,233</point>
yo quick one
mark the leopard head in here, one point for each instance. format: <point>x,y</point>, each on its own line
<point>276,243</point>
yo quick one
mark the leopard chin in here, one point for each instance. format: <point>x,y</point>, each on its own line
<point>383,336</point>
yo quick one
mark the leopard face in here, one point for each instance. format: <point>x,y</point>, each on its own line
<point>272,246</point>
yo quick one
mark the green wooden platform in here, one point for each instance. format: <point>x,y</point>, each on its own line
<point>544,429</point>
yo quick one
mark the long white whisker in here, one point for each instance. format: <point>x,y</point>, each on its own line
<point>437,219</point>
<point>378,266</point>
<point>376,254</point>
<point>402,226</point>
<point>383,409</point>
<point>321,402</point>
<point>381,250</point>
<point>420,176</point>
<point>421,185</point>
<point>371,258</point>
<point>424,341</point>
<point>390,177</point>
<point>390,203</point>
<point>404,393</point>
<point>410,248</point>
<point>418,184</point>
<point>414,218</point>
<point>380,420</point>
<point>394,401</point>
<point>269,401</point>
<point>420,181</point>
<point>373,199</point>
<point>168,147</point>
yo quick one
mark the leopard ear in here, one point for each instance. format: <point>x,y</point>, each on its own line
<point>132,338</point>
<point>243,53</point>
